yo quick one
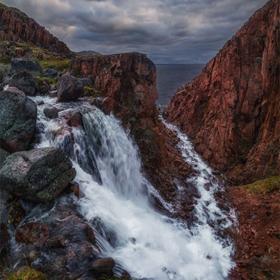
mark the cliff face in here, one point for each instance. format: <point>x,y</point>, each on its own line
<point>17,26</point>
<point>128,81</point>
<point>231,110</point>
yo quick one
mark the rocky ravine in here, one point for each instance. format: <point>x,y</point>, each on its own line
<point>231,110</point>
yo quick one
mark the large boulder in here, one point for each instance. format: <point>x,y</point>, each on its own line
<point>18,116</point>
<point>3,155</point>
<point>38,175</point>
<point>25,64</point>
<point>70,88</point>
<point>25,82</point>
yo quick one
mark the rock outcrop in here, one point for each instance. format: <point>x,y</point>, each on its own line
<point>128,81</point>
<point>18,116</point>
<point>39,175</point>
<point>17,26</point>
<point>231,110</point>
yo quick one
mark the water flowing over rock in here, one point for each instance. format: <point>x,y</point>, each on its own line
<point>17,26</point>
<point>127,84</point>
<point>119,205</point>
<point>17,120</point>
<point>231,110</point>
<point>38,175</point>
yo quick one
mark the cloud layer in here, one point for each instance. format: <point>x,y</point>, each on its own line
<point>169,31</point>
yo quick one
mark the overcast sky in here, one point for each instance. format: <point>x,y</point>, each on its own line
<point>169,31</point>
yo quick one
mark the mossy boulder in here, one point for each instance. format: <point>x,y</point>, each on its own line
<point>18,116</point>
<point>27,273</point>
<point>38,175</point>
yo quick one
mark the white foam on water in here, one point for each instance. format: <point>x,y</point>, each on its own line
<point>147,243</point>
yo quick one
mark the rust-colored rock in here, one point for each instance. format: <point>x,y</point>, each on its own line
<point>17,26</point>
<point>128,81</point>
<point>257,238</point>
<point>231,110</point>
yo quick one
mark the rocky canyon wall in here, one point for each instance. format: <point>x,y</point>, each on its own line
<point>232,109</point>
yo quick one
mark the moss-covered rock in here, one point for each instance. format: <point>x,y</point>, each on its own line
<point>27,273</point>
<point>268,185</point>
<point>59,64</point>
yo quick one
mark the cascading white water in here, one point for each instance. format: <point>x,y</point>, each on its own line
<point>146,243</point>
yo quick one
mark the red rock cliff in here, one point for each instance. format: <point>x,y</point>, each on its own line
<point>17,26</point>
<point>232,109</point>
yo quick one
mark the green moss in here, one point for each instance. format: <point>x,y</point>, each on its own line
<point>268,185</point>
<point>56,63</point>
<point>41,80</point>
<point>27,273</point>
<point>91,91</point>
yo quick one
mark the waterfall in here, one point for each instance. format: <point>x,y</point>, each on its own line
<point>117,202</point>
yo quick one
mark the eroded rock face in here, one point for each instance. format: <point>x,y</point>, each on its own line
<point>127,81</point>
<point>17,26</point>
<point>231,110</point>
<point>18,116</point>
<point>38,175</point>
<point>59,243</point>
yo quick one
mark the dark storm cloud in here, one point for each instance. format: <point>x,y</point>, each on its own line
<point>170,31</point>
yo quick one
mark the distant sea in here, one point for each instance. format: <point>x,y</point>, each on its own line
<point>172,76</point>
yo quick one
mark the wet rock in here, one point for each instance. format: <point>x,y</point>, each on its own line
<point>25,82</point>
<point>102,267</point>
<point>38,175</point>
<point>18,116</point>
<point>74,118</point>
<point>32,233</point>
<point>3,155</point>
<point>59,243</point>
<point>4,236</point>
<point>50,73</point>
<point>69,88</point>
<point>51,112</point>
<point>25,64</point>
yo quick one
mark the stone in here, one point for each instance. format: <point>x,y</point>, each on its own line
<point>25,82</point>
<point>50,73</point>
<point>3,155</point>
<point>38,175</point>
<point>102,267</point>
<point>18,116</point>
<point>69,88</point>
<point>51,112</point>
<point>231,110</point>
<point>24,64</point>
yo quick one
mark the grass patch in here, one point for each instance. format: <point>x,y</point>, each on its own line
<point>51,81</point>
<point>265,186</point>
<point>57,64</point>
<point>27,273</point>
